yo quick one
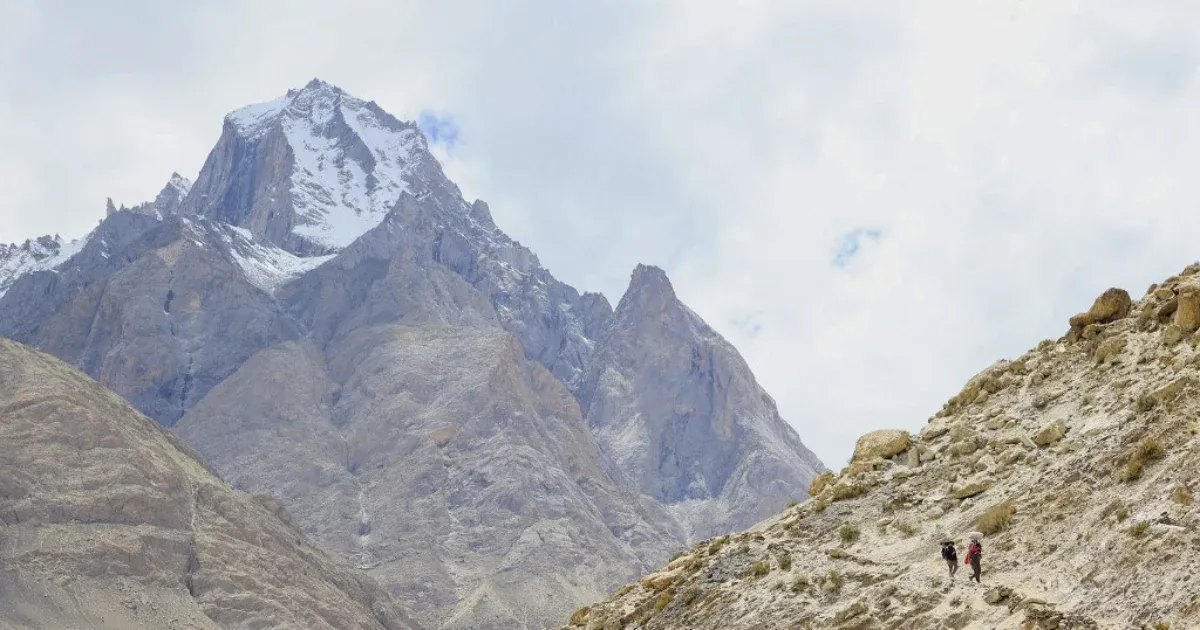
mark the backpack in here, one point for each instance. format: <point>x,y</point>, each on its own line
<point>948,553</point>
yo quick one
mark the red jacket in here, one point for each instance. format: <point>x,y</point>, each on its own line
<point>975,550</point>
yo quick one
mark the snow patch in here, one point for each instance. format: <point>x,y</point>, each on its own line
<point>266,267</point>
<point>254,120</point>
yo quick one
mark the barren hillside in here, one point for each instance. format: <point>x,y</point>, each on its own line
<point>1078,460</point>
<point>106,523</point>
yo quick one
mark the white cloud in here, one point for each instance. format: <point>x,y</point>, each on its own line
<point>1017,158</point>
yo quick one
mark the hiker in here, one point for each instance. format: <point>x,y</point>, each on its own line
<point>974,552</point>
<point>950,555</point>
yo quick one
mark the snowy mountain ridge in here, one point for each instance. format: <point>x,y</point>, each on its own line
<point>44,253</point>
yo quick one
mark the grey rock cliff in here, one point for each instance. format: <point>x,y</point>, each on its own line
<point>106,522</point>
<point>678,412</point>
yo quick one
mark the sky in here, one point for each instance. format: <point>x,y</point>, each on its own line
<point>872,201</point>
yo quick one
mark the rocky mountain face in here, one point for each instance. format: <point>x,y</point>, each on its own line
<point>1077,461</point>
<point>326,319</point>
<point>106,521</point>
<point>680,415</point>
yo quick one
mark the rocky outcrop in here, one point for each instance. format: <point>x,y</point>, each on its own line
<point>679,414</point>
<point>881,443</point>
<point>1112,305</point>
<point>1079,474</point>
<point>106,522</point>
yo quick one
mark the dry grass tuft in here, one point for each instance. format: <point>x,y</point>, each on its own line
<point>997,518</point>
<point>1148,450</point>
<point>819,483</point>
<point>834,581</point>
<point>848,533</point>
<point>761,568</point>
<point>1181,495</point>
<point>1139,529</point>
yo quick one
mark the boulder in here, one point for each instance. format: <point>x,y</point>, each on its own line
<point>964,448</point>
<point>1112,305</point>
<point>970,488</point>
<point>934,431</point>
<point>881,443</point>
<point>1050,434</point>
<point>1110,349</point>
<point>1167,309</point>
<point>1187,316</point>
<point>996,595</point>
<point>1163,293</point>
<point>1172,335</point>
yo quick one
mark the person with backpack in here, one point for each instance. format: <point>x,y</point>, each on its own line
<point>974,553</point>
<point>950,555</point>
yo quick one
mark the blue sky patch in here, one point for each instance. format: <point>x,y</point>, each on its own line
<point>852,243</point>
<point>439,129</point>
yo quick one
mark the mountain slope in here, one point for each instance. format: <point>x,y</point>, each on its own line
<point>1078,460</point>
<point>105,523</point>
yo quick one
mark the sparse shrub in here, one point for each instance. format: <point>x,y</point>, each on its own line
<point>693,564</point>
<point>1162,625</point>
<point>1132,470</point>
<point>624,590</point>
<point>663,601</point>
<point>841,492</point>
<point>834,582</point>
<point>785,562</point>
<point>580,616</point>
<point>761,568</point>
<point>793,503</point>
<point>690,596</point>
<point>819,506</point>
<point>819,483</point>
<point>1149,449</point>
<point>905,528</point>
<point>1181,495</point>
<point>660,584</point>
<point>716,545</point>
<point>1145,402</point>
<point>848,533</point>
<point>677,556</point>
<point>1122,514</point>
<point>745,548</point>
<point>997,518</point>
<point>1139,529</point>
<point>800,583</point>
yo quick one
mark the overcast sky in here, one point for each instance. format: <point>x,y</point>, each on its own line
<point>872,203</point>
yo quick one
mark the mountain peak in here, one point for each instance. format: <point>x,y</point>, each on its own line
<point>325,168</point>
<point>649,280</point>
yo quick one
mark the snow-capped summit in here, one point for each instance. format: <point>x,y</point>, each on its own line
<point>310,171</point>
<point>46,252</point>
